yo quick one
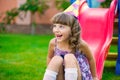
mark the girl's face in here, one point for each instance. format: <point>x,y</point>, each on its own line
<point>61,32</point>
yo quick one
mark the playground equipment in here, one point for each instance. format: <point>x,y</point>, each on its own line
<point>93,3</point>
<point>96,29</point>
<point>118,58</point>
<point>72,1</point>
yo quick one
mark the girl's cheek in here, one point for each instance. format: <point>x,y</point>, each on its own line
<point>53,30</point>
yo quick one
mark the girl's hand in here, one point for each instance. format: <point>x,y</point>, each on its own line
<point>95,78</point>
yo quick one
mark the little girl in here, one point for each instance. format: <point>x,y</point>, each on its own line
<point>69,57</point>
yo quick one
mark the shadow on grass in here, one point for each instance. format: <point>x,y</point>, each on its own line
<point>109,73</point>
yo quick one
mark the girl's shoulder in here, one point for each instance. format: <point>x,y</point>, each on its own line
<point>83,45</point>
<point>85,49</point>
<point>52,42</point>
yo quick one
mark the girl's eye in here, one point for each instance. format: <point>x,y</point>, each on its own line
<point>61,26</point>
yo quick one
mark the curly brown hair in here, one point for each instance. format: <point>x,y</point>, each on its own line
<point>69,20</point>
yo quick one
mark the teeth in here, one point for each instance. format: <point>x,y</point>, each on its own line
<point>59,35</point>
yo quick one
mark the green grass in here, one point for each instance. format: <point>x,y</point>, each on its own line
<point>113,49</point>
<point>23,57</point>
<point>109,71</point>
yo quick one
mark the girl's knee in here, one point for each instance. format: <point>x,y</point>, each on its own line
<point>57,59</point>
<point>69,57</point>
<point>55,63</point>
<point>70,60</point>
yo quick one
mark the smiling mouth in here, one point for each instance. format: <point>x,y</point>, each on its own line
<point>58,36</point>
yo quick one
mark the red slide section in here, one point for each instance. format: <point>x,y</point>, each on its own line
<point>97,30</point>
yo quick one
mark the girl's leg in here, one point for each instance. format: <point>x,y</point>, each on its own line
<point>72,70</point>
<point>53,68</point>
<point>60,75</point>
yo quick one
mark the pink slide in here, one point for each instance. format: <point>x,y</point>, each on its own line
<point>97,30</point>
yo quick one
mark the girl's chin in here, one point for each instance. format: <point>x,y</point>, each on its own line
<point>59,39</point>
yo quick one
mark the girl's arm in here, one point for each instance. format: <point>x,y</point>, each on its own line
<point>88,53</point>
<point>50,50</point>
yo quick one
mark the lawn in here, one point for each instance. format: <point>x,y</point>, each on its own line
<point>23,57</point>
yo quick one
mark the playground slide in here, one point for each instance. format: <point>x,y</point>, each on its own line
<point>96,29</point>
